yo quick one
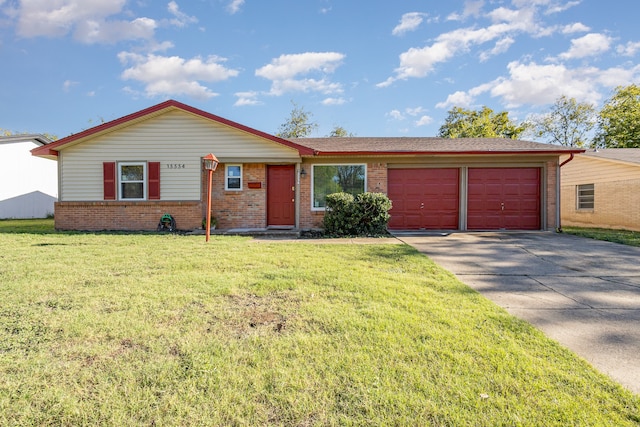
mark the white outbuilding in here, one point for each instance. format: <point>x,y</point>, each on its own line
<point>28,184</point>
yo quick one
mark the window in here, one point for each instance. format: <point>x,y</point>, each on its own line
<point>585,195</point>
<point>131,178</point>
<point>328,179</point>
<point>233,177</point>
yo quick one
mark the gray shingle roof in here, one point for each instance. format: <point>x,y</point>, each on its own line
<point>630,155</point>
<point>35,137</point>
<point>409,145</point>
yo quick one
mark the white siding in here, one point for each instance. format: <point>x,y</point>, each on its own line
<point>176,137</point>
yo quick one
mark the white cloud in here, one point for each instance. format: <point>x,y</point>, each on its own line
<point>95,21</point>
<point>58,17</point>
<point>159,47</point>
<point>409,22</point>
<point>114,31</point>
<point>561,7</point>
<point>423,121</point>
<point>534,84</point>
<point>88,21</point>
<point>457,99</point>
<point>288,66</point>
<point>234,6</point>
<point>543,84</point>
<point>334,101</point>
<point>68,84</point>
<point>590,45</point>
<point>284,72</point>
<point>577,27</point>
<point>414,111</point>
<point>629,49</point>
<point>395,114</point>
<point>173,75</point>
<point>180,19</point>
<point>471,8</point>
<point>419,62</point>
<point>247,98</point>
<point>501,46</point>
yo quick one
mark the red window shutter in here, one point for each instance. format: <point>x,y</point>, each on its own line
<point>153,180</point>
<point>109,180</point>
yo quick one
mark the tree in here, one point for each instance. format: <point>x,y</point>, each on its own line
<point>339,132</point>
<point>484,123</point>
<point>619,119</point>
<point>298,125</point>
<point>7,132</point>
<point>567,123</point>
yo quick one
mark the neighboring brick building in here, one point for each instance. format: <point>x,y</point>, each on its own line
<point>127,173</point>
<point>602,189</point>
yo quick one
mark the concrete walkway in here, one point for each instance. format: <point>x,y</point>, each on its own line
<point>583,293</point>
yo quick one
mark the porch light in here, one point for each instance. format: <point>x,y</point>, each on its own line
<point>210,163</point>
<point>303,173</point>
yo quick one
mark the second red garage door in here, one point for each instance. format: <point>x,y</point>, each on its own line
<point>503,199</point>
<point>424,198</point>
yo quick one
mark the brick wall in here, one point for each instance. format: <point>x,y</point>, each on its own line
<point>616,205</point>
<point>131,216</point>
<point>238,209</point>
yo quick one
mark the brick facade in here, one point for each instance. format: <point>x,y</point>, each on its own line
<point>239,209</point>
<point>246,208</point>
<point>616,206</point>
<point>130,216</point>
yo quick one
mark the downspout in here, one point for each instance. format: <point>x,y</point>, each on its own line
<point>558,203</point>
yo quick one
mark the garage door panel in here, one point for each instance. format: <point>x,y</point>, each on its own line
<point>424,198</point>
<point>503,198</point>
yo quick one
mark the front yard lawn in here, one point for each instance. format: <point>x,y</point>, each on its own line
<point>145,329</point>
<point>626,237</point>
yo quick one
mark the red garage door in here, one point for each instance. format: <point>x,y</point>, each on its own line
<point>424,198</point>
<point>503,199</point>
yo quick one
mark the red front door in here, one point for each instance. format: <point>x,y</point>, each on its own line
<point>281,208</point>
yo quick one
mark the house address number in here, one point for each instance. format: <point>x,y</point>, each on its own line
<point>175,165</point>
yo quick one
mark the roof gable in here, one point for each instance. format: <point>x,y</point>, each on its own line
<point>51,150</point>
<point>34,138</point>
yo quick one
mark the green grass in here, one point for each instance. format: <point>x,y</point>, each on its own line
<point>145,329</point>
<point>626,237</point>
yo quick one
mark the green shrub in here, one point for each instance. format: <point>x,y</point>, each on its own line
<point>366,214</point>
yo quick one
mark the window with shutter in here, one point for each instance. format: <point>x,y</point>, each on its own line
<point>153,169</point>
<point>109,180</point>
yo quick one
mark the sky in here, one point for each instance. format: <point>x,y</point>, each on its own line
<point>372,67</point>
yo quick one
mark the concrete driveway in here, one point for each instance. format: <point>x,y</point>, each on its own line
<point>583,293</point>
